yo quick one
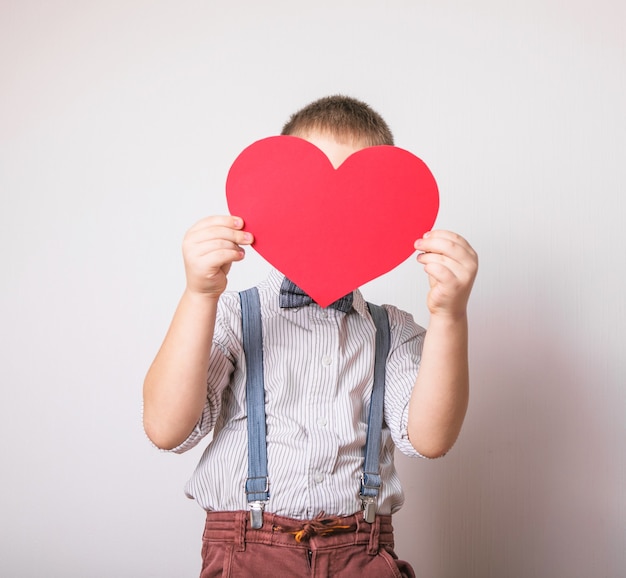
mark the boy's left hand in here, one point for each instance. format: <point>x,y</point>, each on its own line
<point>451,265</point>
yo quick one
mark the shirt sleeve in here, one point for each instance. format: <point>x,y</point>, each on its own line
<point>225,350</point>
<point>405,352</point>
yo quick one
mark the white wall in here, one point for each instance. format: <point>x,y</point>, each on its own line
<point>118,122</point>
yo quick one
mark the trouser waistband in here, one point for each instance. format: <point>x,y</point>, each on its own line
<point>234,527</point>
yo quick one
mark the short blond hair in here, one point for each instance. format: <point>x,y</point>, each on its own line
<point>343,117</point>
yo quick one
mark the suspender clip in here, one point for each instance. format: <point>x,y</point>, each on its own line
<point>256,514</point>
<point>369,508</point>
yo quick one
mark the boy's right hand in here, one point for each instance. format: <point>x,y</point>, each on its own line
<point>209,249</point>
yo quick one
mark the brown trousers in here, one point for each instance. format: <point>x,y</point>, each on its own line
<point>345,547</point>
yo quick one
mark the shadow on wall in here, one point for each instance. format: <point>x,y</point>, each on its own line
<point>529,489</point>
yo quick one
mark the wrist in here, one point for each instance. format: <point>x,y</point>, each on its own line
<point>202,297</point>
<point>448,318</point>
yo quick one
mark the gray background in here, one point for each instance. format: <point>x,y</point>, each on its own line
<point>118,123</point>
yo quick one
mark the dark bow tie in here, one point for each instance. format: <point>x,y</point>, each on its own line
<point>292,296</point>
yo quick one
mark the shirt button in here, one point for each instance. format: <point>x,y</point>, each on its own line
<point>319,478</point>
<point>324,314</point>
<point>327,360</point>
<point>322,421</point>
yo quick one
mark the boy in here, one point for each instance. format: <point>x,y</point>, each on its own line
<point>318,370</point>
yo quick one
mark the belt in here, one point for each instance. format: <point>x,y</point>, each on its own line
<point>236,527</point>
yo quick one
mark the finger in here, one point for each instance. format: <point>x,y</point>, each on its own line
<point>441,237</point>
<point>439,265</point>
<point>438,259</point>
<point>441,274</point>
<point>227,221</point>
<point>214,259</point>
<point>212,232</point>
<point>446,251</point>
<point>222,257</point>
<point>450,245</point>
<point>211,246</point>
<point>217,227</point>
<point>443,234</point>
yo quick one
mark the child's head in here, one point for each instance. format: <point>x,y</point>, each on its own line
<point>342,118</point>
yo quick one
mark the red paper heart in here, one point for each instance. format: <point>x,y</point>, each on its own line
<point>331,230</point>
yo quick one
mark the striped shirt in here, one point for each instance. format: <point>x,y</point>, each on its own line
<point>318,367</point>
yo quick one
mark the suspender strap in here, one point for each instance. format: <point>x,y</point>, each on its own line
<point>257,484</point>
<point>370,479</point>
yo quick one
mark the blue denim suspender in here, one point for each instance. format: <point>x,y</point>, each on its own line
<point>370,478</point>
<point>257,483</point>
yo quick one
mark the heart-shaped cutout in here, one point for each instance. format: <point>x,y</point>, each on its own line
<point>331,230</point>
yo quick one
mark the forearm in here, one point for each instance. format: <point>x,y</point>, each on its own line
<point>175,387</point>
<point>440,396</point>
